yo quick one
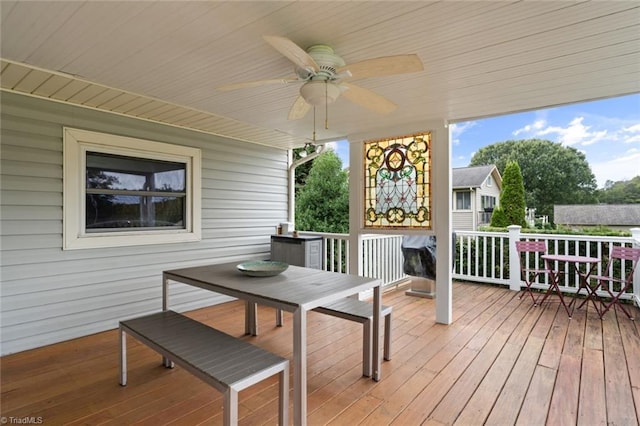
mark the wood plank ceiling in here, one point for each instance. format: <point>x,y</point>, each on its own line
<point>163,61</point>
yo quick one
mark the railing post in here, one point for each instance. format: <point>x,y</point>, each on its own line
<point>514,258</point>
<point>635,234</point>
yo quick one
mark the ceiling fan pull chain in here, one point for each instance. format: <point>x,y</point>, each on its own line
<point>326,105</point>
<point>314,123</point>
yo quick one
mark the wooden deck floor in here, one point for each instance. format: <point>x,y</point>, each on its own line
<point>501,362</point>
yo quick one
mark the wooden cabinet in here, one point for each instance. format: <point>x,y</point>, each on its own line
<point>298,251</point>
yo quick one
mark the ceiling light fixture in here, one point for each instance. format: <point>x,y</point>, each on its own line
<point>319,92</point>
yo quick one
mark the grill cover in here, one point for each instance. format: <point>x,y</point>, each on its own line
<point>419,255</point>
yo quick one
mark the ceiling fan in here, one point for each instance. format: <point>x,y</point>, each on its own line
<point>322,74</point>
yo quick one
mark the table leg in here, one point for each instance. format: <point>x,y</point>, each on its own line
<point>250,318</point>
<point>377,303</point>
<point>165,305</point>
<point>591,293</point>
<point>123,357</point>
<point>300,367</point>
<point>165,292</point>
<point>553,282</point>
<point>554,286</point>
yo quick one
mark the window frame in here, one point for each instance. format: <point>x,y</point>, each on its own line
<point>456,200</point>
<point>76,143</point>
<point>492,198</point>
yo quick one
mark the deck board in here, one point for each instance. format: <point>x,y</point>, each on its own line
<point>617,382</point>
<point>502,361</point>
<point>510,400</point>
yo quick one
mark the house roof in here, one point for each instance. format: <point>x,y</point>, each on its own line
<point>473,177</point>
<point>163,61</point>
<point>598,214</point>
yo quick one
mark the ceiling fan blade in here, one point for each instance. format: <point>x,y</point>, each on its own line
<point>257,83</point>
<point>299,109</point>
<point>293,52</point>
<point>386,65</point>
<point>368,99</point>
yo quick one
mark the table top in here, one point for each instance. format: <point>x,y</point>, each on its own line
<point>296,287</point>
<point>570,258</point>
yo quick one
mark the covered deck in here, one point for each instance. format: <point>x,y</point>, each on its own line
<point>502,361</point>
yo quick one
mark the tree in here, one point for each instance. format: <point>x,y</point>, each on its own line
<point>322,204</point>
<point>551,173</point>
<point>621,192</point>
<point>511,210</point>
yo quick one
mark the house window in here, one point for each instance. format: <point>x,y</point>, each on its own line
<point>125,192</point>
<point>463,200</point>
<point>489,180</point>
<point>488,202</point>
<point>121,191</point>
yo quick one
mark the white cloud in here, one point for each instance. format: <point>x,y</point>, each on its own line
<point>632,129</point>
<point>459,128</point>
<point>631,134</point>
<point>531,128</point>
<point>632,139</point>
<point>624,167</point>
<point>575,133</point>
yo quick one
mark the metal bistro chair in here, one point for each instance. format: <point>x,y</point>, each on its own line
<point>529,273</point>
<point>614,286</point>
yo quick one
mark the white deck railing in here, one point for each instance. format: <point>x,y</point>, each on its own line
<point>480,257</point>
<point>381,255</point>
<point>484,257</point>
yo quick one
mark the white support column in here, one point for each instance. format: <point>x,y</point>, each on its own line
<point>355,207</point>
<point>441,215</point>
<point>514,258</point>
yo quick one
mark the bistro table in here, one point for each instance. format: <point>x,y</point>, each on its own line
<point>297,290</point>
<point>554,275</point>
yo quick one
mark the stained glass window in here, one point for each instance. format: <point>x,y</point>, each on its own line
<point>398,182</point>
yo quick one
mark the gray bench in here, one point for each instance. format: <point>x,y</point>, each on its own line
<point>361,311</point>
<point>223,361</point>
<point>350,309</point>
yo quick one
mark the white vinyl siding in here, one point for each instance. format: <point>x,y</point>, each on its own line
<point>49,295</point>
<point>462,220</point>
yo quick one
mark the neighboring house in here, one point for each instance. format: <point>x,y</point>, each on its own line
<point>476,192</point>
<point>614,216</point>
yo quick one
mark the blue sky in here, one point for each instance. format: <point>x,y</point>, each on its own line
<point>606,131</point>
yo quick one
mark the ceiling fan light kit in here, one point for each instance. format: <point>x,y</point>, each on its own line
<point>319,92</point>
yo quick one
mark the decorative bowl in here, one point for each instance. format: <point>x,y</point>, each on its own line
<point>262,268</point>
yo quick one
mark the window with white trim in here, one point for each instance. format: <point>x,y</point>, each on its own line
<point>121,191</point>
<point>463,200</point>
<point>488,202</point>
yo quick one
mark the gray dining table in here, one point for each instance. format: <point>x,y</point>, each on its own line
<point>297,290</point>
